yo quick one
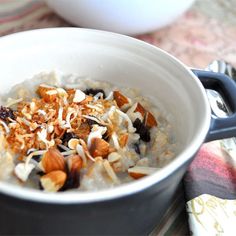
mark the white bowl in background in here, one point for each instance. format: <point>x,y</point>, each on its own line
<point>122,16</point>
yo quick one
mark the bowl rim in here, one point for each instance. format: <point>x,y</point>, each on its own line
<point>124,189</point>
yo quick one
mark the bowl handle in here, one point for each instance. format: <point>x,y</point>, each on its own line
<point>220,128</point>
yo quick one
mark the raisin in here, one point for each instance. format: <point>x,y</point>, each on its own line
<point>93,92</point>
<point>40,173</point>
<point>67,137</point>
<point>136,148</point>
<point>92,122</point>
<point>72,181</point>
<point>5,113</point>
<point>142,130</point>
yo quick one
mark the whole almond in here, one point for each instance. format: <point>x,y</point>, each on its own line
<point>99,147</point>
<point>52,160</point>
<point>74,163</point>
<point>53,181</point>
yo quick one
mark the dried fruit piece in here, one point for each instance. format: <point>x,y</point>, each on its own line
<point>93,92</point>
<point>67,136</point>
<point>74,164</point>
<point>122,101</point>
<point>5,113</point>
<point>142,130</point>
<point>99,147</point>
<point>53,181</point>
<point>136,148</point>
<point>52,160</point>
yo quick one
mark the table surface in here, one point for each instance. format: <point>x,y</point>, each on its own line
<point>207,31</point>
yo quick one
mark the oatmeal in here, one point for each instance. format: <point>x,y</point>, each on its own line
<point>80,134</point>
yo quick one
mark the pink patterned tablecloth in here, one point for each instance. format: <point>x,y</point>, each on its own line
<point>205,32</point>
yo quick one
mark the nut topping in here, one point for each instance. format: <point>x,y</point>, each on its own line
<point>122,101</point>
<point>53,181</point>
<point>52,160</point>
<point>99,147</point>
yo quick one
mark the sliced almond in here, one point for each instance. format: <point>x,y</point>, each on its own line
<point>53,181</point>
<point>114,157</point>
<point>72,143</point>
<point>123,139</point>
<point>139,108</point>
<point>48,93</point>
<point>122,101</point>
<point>99,147</point>
<point>150,120</point>
<point>140,171</point>
<point>79,96</point>
<point>52,160</point>
<point>110,172</point>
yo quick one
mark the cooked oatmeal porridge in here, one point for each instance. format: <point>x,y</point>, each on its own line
<point>61,132</point>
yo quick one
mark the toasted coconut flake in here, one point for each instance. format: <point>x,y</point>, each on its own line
<point>11,101</point>
<point>110,96</point>
<point>110,172</point>
<point>67,153</point>
<point>42,136</point>
<point>97,132</point>
<point>79,96</point>
<point>35,153</point>
<point>64,147</point>
<point>98,96</point>
<point>22,170</point>
<point>131,129</point>
<point>114,138</point>
<point>5,126</point>
<point>81,153</point>
<point>42,112</point>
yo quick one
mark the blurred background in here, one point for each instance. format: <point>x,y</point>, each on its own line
<point>196,32</point>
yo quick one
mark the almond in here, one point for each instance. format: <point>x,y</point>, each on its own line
<point>136,175</point>
<point>99,147</point>
<point>138,172</point>
<point>123,139</point>
<point>75,163</point>
<point>139,108</point>
<point>52,160</point>
<point>53,181</point>
<point>72,143</point>
<point>49,94</point>
<point>150,120</point>
<point>121,100</point>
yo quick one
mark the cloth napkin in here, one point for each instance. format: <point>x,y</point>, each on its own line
<point>204,33</point>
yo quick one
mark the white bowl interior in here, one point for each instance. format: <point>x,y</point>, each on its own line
<point>120,60</point>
